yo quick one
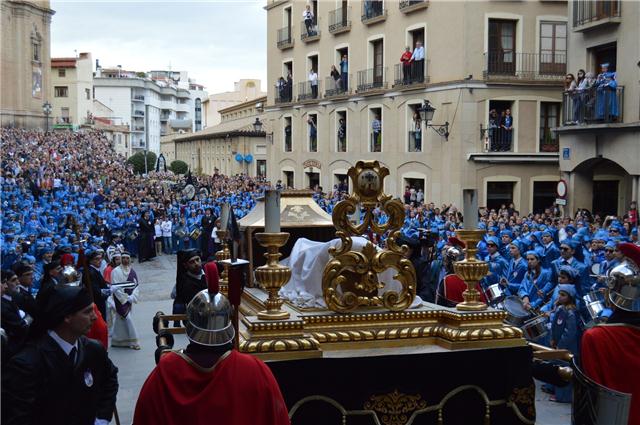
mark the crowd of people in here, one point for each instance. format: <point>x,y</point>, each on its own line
<point>592,98</point>
<point>66,208</point>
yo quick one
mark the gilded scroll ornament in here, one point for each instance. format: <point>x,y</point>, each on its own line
<point>395,408</point>
<point>350,279</point>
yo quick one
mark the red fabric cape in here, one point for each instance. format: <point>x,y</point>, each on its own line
<point>611,357</point>
<point>240,389</point>
<point>99,330</point>
<point>454,286</point>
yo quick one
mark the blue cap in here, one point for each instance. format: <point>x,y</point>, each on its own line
<point>534,253</point>
<point>569,289</point>
<point>569,271</point>
<point>492,240</point>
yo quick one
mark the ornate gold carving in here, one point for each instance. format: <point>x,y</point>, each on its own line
<point>273,275</point>
<point>394,408</point>
<point>224,254</point>
<point>279,345</point>
<point>350,279</point>
<point>525,397</point>
<point>471,270</point>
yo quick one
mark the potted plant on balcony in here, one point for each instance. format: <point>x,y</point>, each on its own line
<point>549,144</point>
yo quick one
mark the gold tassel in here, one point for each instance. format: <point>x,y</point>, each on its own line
<point>440,419</point>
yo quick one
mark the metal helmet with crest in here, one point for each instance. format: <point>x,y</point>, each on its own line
<point>209,313</point>
<point>624,279</point>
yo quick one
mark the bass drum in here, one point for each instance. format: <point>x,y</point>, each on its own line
<point>594,404</point>
<point>535,328</point>
<point>516,313</point>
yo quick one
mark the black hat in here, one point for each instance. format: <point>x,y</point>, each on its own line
<point>62,301</point>
<point>22,268</point>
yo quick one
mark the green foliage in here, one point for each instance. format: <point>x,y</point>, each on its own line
<point>137,160</point>
<point>179,167</point>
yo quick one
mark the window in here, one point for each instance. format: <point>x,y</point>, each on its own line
<point>498,194</point>
<point>553,47</point>
<point>64,115</point>
<point>414,125</point>
<point>35,49</point>
<point>502,46</point>
<point>500,128</point>
<point>544,196</point>
<point>261,167</point>
<point>312,121</point>
<point>288,141</point>
<point>341,131</point>
<point>62,72</point>
<point>61,91</point>
<point>87,92</point>
<point>288,177</point>
<point>549,118</point>
<point>375,140</point>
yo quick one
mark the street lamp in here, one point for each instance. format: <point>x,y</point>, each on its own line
<point>426,112</point>
<point>257,125</point>
<point>46,108</point>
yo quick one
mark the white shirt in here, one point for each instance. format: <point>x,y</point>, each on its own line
<point>66,347</point>
<point>313,77</point>
<point>166,228</point>
<point>307,14</point>
<point>418,54</point>
<point>158,230</point>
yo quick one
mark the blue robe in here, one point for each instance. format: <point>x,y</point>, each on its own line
<point>530,285</point>
<point>515,275</point>
<point>606,100</point>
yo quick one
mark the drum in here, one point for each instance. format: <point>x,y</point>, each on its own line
<point>535,328</point>
<point>133,235</point>
<point>180,232</point>
<point>593,296</point>
<point>516,313</point>
<point>195,234</point>
<point>595,303</point>
<point>494,294</point>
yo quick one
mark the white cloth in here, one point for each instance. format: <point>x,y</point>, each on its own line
<point>418,53</point>
<point>166,228</point>
<point>313,77</point>
<point>123,332</point>
<point>307,262</point>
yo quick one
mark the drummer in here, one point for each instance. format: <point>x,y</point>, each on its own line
<point>516,270</point>
<point>567,258</point>
<point>506,236</point>
<point>534,280</point>
<point>551,251</point>
<point>609,262</point>
<point>497,264</point>
<point>567,276</point>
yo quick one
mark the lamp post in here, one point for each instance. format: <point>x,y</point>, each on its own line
<point>426,112</point>
<point>46,109</point>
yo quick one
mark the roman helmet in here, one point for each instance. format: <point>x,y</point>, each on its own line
<point>624,279</point>
<point>209,314</point>
<point>70,276</point>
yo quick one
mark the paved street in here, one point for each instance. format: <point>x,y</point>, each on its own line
<point>156,280</point>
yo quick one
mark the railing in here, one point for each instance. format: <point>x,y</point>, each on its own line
<point>415,141</point>
<point>528,66</point>
<point>139,113</point>
<point>285,38</point>
<point>549,141</point>
<point>313,143</point>
<point>372,79</point>
<point>599,105</point>
<point>284,93</point>
<point>375,141</point>
<point>411,73</point>
<point>497,139</point>
<point>288,145</point>
<point>309,30</point>
<point>307,91</point>
<point>342,144</point>
<point>138,128</point>
<point>333,87</point>
<point>372,9</point>
<point>164,117</point>
<point>138,97</point>
<point>587,11</point>
<point>411,5</point>
<point>340,20</point>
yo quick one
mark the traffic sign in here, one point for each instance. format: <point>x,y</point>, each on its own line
<point>561,189</point>
<point>561,201</point>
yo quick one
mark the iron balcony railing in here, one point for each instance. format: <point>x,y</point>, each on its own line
<point>598,105</point>
<point>307,91</point>
<point>375,142</point>
<point>410,73</point>
<point>333,87</point>
<point>288,144</point>
<point>527,66</point>
<point>285,38</point>
<point>372,79</point>
<point>588,11</point>
<point>372,9</point>
<point>414,141</point>
<point>340,20</point>
<point>497,139</point>
<point>138,97</point>
<point>411,5</point>
<point>309,30</point>
<point>139,113</point>
<point>283,92</point>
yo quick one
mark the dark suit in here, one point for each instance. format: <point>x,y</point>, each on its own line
<point>207,228</point>
<point>15,327</point>
<point>25,302</point>
<point>41,386</point>
<point>97,284</point>
<point>187,287</point>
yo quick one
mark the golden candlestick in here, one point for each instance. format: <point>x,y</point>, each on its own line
<point>224,254</point>
<point>471,270</point>
<point>273,275</point>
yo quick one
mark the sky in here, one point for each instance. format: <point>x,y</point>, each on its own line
<point>217,42</point>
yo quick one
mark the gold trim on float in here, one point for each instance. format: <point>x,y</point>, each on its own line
<point>394,407</point>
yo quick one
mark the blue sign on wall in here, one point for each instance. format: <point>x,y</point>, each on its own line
<point>566,153</point>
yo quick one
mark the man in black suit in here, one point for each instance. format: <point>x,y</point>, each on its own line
<point>25,301</point>
<point>60,376</point>
<point>13,319</point>
<point>207,224</point>
<point>99,287</point>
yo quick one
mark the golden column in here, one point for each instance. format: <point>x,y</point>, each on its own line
<point>272,276</point>
<point>471,270</point>
<point>224,254</point>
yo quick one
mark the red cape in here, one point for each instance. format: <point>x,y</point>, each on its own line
<point>99,330</point>
<point>454,286</point>
<point>611,357</point>
<point>240,389</point>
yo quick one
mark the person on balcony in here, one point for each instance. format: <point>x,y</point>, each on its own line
<point>606,101</point>
<point>578,101</point>
<point>289,87</point>
<point>313,135</point>
<point>587,95</point>
<point>337,80</point>
<point>281,86</point>
<point>342,136</point>
<point>417,132</point>
<point>493,130</point>
<point>344,72</point>
<point>376,136</point>
<point>307,15</point>
<point>417,60</point>
<point>506,125</point>
<point>405,60</point>
<point>313,81</point>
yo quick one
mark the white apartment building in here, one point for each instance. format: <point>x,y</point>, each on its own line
<point>71,90</point>
<point>243,91</point>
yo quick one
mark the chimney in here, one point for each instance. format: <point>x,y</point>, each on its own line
<point>97,63</point>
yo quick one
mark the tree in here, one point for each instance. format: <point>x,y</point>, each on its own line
<point>137,160</point>
<point>179,167</point>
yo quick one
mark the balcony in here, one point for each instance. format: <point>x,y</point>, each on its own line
<point>414,141</point>
<point>164,117</point>
<point>503,65</point>
<point>137,129</point>
<point>372,79</point>
<point>138,98</point>
<point>408,6</point>
<point>137,113</point>
<point>340,20</point>
<point>375,142</point>
<point>410,74</point>
<point>588,14</point>
<point>283,92</point>
<point>309,31</point>
<point>307,91</point>
<point>285,38</point>
<point>340,87</point>
<point>496,139</point>
<point>599,105</point>
<point>373,11</point>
